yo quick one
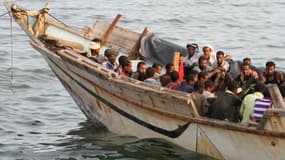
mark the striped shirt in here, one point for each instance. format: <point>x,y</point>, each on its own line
<point>260,106</point>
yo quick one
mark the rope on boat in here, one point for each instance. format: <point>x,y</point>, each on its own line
<point>57,19</point>
<point>12,56</point>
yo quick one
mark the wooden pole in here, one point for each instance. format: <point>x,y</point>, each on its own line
<point>175,61</point>
<point>132,53</point>
<point>276,96</point>
<point>110,29</point>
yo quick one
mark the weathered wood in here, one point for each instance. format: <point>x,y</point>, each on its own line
<point>276,96</point>
<point>176,57</point>
<point>133,53</point>
<point>109,31</point>
<point>121,39</point>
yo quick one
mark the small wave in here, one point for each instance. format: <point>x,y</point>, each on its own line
<point>37,99</point>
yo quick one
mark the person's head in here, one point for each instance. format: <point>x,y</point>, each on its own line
<point>270,67</point>
<point>174,76</point>
<point>233,86</point>
<point>203,77</point>
<point>207,50</point>
<point>141,67</point>
<point>191,47</point>
<point>266,93</point>
<point>191,79</point>
<point>122,59</point>
<point>94,48</point>
<point>245,69</point>
<point>260,87</point>
<point>203,62</point>
<point>150,72</point>
<point>246,61</point>
<point>169,67</point>
<point>111,54</point>
<point>209,85</point>
<point>127,66</point>
<point>220,56</point>
<point>157,67</point>
<point>199,87</point>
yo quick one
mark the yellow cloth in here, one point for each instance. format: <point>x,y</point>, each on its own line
<point>247,106</point>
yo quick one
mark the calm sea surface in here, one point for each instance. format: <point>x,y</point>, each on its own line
<point>39,120</point>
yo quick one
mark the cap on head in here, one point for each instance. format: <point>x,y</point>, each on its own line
<point>109,52</point>
<point>94,45</point>
<point>190,44</point>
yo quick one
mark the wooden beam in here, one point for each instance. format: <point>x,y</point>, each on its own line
<point>110,29</point>
<point>175,60</point>
<point>133,52</point>
<point>276,96</point>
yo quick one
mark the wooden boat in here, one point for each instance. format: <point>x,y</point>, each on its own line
<point>130,107</point>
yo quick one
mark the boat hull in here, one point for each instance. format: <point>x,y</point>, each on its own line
<point>98,100</point>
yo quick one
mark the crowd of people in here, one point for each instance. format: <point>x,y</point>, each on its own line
<point>216,93</point>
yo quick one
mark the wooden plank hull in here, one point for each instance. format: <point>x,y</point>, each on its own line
<point>99,101</point>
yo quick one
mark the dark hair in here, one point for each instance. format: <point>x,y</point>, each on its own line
<point>244,61</point>
<point>140,64</point>
<point>156,65</point>
<point>202,75</point>
<point>198,86</point>
<point>220,53</point>
<point>168,66</point>
<point>150,72</point>
<point>189,77</point>
<point>201,58</point>
<point>209,84</point>
<point>232,85</point>
<point>126,63</point>
<point>122,59</point>
<point>97,40</point>
<point>174,76</point>
<point>270,64</point>
<point>260,87</point>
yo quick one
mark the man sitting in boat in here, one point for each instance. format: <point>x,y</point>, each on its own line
<point>94,49</point>
<point>199,99</point>
<point>141,71</point>
<point>111,63</point>
<point>126,69</point>
<point>271,75</point>
<point>226,106</point>
<point>223,66</point>
<point>261,105</point>
<point>150,79</point>
<point>165,79</point>
<point>209,54</point>
<point>247,106</point>
<point>246,80</point>
<point>204,67</point>
<point>174,84</point>
<point>252,70</point>
<point>188,84</point>
<point>122,59</point>
<point>157,67</point>
<point>191,59</point>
